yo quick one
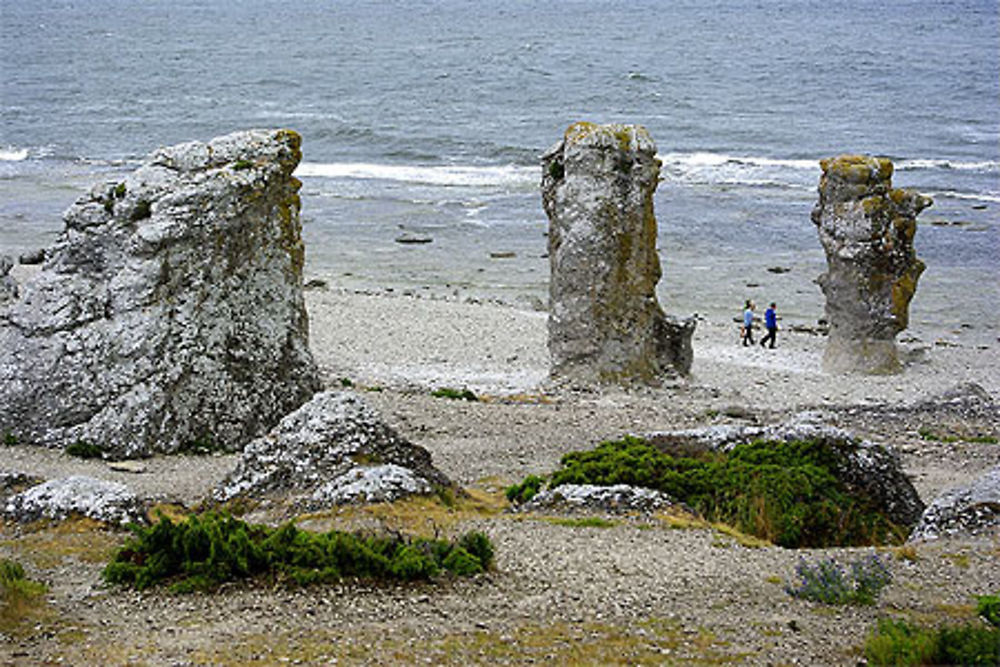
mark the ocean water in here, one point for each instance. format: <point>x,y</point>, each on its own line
<point>428,118</point>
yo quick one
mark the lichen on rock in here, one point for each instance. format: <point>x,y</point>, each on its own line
<point>866,227</point>
<point>964,511</point>
<point>605,323</point>
<point>170,309</point>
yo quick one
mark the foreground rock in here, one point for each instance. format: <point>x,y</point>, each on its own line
<point>965,511</point>
<point>866,228</point>
<point>334,449</point>
<point>170,310</point>
<point>60,499</point>
<point>867,468</point>
<point>605,324</point>
<point>618,498</point>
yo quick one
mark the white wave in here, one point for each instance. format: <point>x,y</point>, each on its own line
<point>704,159</point>
<point>950,194</point>
<point>13,154</point>
<point>912,165</point>
<point>468,176</point>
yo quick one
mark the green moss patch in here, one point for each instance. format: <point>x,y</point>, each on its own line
<point>204,551</point>
<point>784,492</point>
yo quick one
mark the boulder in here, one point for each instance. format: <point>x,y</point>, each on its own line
<point>871,469</point>
<point>170,310</point>
<point>866,228</point>
<point>964,511</point>
<point>334,449</point>
<point>605,323</point>
<point>58,499</point>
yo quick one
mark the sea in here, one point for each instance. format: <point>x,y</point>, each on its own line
<point>427,118</point>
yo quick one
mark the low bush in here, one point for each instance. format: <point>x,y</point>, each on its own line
<point>783,492</point>
<point>455,394</point>
<point>204,551</point>
<point>829,582</point>
<point>897,642</point>
<point>526,490</point>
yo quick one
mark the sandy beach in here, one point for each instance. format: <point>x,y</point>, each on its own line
<point>634,590</point>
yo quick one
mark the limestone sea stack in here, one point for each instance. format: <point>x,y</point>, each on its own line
<point>605,323</point>
<point>170,310</point>
<point>866,227</point>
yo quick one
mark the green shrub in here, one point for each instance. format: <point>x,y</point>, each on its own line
<point>9,439</point>
<point>830,583</point>
<point>896,642</point>
<point>84,450</point>
<point>988,606</point>
<point>526,490</point>
<point>204,551</point>
<point>784,492</point>
<point>899,643</point>
<point>455,394</point>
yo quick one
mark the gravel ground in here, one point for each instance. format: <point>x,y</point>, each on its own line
<point>633,591</point>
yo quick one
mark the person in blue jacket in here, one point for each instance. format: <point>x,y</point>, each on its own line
<point>748,324</point>
<point>771,324</point>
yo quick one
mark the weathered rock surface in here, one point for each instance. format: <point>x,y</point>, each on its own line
<point>60,499</point>
<point>605,323</point>
<point>963,511</point>
<point>616,498</point>
<point>170,310</point>
<point>869,468</point>
<point>866,227</point>
<point>334,449</point>
<point>8,286</point>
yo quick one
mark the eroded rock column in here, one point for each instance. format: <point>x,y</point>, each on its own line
<point>866,227</point>
<point>170,311</point>
<point>605,323</point>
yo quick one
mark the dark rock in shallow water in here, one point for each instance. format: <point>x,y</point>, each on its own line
<point>334,449</point>
<point>605,323</point>
<point>965,511</point>
<point>60,499</point>
<point>34,257</point>
<point>871,469</point>
<point>170,310</point>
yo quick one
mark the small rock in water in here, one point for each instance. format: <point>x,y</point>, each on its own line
<point>778,269</point>
<point>413,239</point>
<point>503,255</point>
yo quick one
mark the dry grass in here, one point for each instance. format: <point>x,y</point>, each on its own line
<point>46,543</point>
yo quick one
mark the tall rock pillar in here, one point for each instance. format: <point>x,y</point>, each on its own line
<point>169,312</point>
<point>866,228</point>
<point>605,323</point>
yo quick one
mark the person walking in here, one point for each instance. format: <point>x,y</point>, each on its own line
<point>748,323</point>
<point>771,324</point>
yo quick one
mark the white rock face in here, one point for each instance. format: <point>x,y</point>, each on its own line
<point>334,449</point>
<point>963,511</point>
<point>59,499</point>
<point>170,310</point>
<point>605,323</point>
<point>616,498</point>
